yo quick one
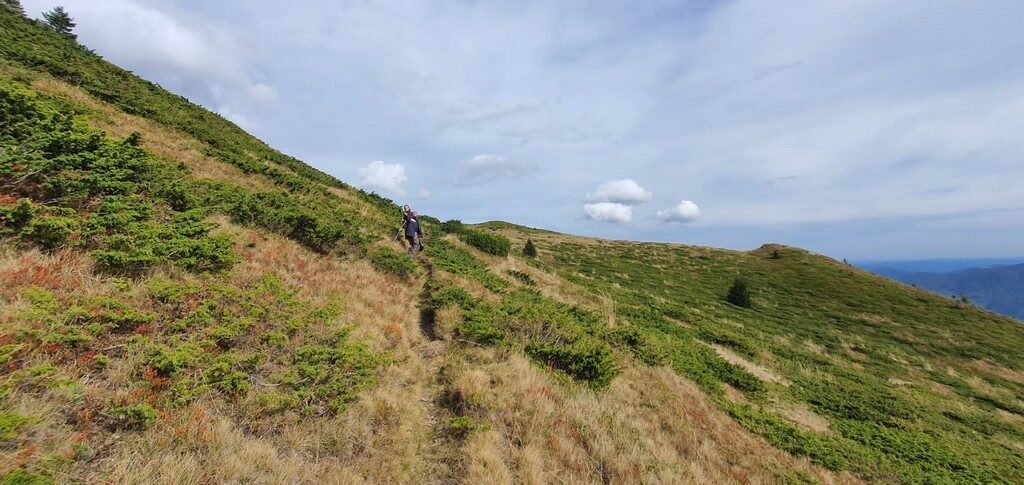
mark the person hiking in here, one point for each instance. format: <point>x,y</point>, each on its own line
<point>412,230</point>
<point>419,230</point>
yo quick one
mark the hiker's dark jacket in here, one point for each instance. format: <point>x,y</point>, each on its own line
<point>412,226</point>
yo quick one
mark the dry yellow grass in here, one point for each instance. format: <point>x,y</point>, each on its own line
<point>998,371</point>
<point>758,371</point>
<point>650,426</point>
<point>445,321</point>
<point>381,437</point>
<point>801,415</point>
<point>550,285</point>
<point>382,307</point>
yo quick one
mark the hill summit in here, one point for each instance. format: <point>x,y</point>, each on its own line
<point>181,303</point>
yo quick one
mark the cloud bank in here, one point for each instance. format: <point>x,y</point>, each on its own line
<point>486,168</point>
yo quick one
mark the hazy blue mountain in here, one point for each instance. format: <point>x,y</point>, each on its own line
<point>935,265</point>
<point>998,288</point>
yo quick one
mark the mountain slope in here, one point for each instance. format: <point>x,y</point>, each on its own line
<point>906,385</point>
<point>184,304</point>
<point>998,288</point>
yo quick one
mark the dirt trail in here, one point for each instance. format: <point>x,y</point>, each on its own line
<point>442,453</point>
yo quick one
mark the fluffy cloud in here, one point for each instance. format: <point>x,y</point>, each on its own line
<point>384,176</point>
<point>625,191</point>
<point>686,211</point>
<point>486,168</point>
<point>608,212</point>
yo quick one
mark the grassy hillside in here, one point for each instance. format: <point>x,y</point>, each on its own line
<point>853,370</point>
<point>182,303</point>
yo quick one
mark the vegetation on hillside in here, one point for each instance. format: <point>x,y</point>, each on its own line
<point>304,206</point>
<point>910,386</point>
<point>166,318</point>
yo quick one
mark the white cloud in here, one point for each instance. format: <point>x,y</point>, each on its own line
<point>384,176</point>
<point>608,212</point>
<point>686,211</point>
<point>625,191</point>
<point>486,168</point>
<point>423,194</point>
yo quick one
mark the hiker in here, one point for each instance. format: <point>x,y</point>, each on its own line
<point>412,229</point>
<point>419,230</point>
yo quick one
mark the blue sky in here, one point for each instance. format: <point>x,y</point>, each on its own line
<point>864,130</point>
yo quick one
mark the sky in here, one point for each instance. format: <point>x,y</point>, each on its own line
<point>858,129</point>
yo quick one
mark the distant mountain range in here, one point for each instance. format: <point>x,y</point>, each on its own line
<point>999,287</point>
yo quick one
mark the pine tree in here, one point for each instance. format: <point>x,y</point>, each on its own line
<point>13,6</point>
<point>59,20</point>
<point>739,294</point>
<point>529,250</point>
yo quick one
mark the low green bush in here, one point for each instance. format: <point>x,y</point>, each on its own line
<point>646,348</point>
<point>15,216</point>
<point>224,376</point>
<point>331,375</point>
<point>452,226</point>
<point>478,326</point>
<point>725,334</point>
<point>171,292</point>
<point>587,360</point>
<point>737,377</point>
<point>820,448</point>
<point>49,231</point>
<point>448,257</point>
<point>135,417</point>
<point>442,296</point>
<point>488,242</point>
<point>523,278</point>
<point>10,423</point>
<point>168,361</point>
<point>393,261</point>
<point>98,191</point>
